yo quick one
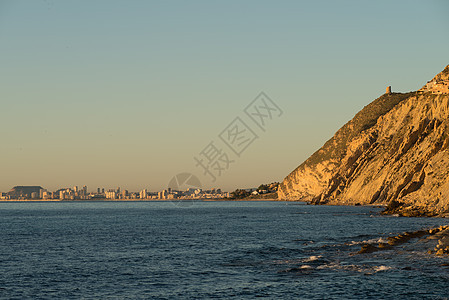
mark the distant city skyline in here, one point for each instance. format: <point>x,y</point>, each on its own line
<point>75,193</point>
<point>129,93</point>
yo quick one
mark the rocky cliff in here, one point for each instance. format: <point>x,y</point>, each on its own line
<point>393,152</point>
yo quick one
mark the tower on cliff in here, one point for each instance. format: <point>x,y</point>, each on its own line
<point>388,90</point>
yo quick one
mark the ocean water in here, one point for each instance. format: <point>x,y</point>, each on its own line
<point>244,250</point>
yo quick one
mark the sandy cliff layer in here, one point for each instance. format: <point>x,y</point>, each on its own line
<point>394,151</point>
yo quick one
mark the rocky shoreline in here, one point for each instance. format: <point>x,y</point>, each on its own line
<point>403,210</point>
<point>438,234</point>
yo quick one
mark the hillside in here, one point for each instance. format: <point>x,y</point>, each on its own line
<point>394,151</point>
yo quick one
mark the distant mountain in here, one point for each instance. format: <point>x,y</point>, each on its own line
<point>394,151</point>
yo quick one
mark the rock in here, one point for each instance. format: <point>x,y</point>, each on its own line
<point>443,242</point>
<point>383,246</point>
<point>440,252</point>
<point>368,248</point>
<point>392,242</point>
<point>416,234</point>
<point>393,152</point>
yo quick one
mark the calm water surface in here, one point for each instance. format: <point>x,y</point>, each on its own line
<point>119,250</point>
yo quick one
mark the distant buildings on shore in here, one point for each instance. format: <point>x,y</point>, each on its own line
<point>39,193</point>
<point>17,192</point>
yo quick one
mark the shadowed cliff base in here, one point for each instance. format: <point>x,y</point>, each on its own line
<point>393,152</point>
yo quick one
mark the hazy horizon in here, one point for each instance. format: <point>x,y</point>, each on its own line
<point>115,93</point>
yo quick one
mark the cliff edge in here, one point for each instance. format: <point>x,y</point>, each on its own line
<point>393,152</point>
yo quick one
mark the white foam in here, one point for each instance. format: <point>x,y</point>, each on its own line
<point>306,267</point>
<point>312,258</point>
<point>329,266</point>
<point>355,268</point>
<point>381,268</point>
<point>372,241</point>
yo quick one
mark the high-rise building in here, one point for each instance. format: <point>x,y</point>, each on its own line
<point>143,194</point>
<point>111,195</point>
<point>98,190</point>
<point>45,195</point>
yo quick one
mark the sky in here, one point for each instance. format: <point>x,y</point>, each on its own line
<point>128,93</point>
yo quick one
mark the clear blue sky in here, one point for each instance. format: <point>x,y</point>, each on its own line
<point>126,93</point>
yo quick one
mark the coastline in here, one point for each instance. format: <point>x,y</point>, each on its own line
<point>90,200</point>
<point>31,200</point>
<point>247,199</point>
<point>144,200</point>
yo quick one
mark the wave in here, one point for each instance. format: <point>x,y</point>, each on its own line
<point>369,270</point>
<point>312,258</point>
<point>370,241</point>
<point>308,269</point>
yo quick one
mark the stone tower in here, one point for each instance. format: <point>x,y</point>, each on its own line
<point>388,90</point>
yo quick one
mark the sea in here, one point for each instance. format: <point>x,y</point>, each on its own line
<point>212,250</point>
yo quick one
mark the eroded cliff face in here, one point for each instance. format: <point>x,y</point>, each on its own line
<point>394,151</point>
